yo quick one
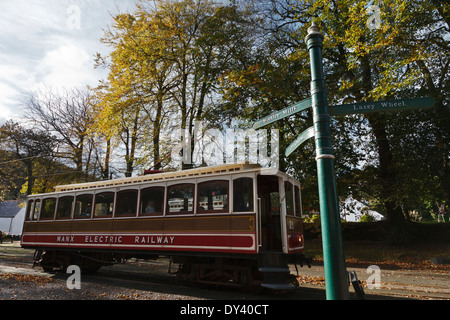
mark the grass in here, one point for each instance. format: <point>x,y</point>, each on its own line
<point>364,244</point>
<point>367,253</point>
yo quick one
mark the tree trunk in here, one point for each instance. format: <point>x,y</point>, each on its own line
<point>105,172</point>
<point>387,173</point>
<point>398,232</point>
<point>157,133</point>
<point>29,165</point>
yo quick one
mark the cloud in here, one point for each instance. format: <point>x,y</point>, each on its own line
<point>5,93</point>
<point>14,81</point>
<point>66,66</point>
<point>50,43</point>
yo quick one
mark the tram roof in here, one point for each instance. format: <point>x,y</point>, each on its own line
<point>219,169</point>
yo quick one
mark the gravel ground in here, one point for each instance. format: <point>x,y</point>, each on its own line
<point>149,280</point>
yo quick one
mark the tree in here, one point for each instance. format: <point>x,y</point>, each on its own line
<point>30,147</point>
<point>166,60</point>
<point>365,64</point>
<point>12,174</point>
<point>137,86</point>
<point>68,117</point>
<point>272,74</point>
<point>385,63</point>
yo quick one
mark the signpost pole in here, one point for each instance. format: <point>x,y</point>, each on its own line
<point>336,278</point>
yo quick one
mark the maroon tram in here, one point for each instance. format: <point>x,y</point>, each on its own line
<point>234,224</point>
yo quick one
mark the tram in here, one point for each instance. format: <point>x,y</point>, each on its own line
<point>233,224</point>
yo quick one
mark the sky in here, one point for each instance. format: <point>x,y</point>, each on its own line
<point>50,44</point>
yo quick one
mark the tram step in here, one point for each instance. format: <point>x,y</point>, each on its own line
<point>278,286</point>
<point>276,278</point>
<point>273,269</point>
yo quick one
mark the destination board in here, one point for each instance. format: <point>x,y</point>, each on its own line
<point>389,105</point>
<point>305,135</point>
<point>286,112</point>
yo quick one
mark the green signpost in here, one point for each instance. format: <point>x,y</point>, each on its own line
<point>336,278</point>
<point>286,112</point>
<point>305,135</point>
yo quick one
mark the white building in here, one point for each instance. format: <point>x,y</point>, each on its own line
<point>12,215</point>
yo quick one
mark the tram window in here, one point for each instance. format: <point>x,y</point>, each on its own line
<point>29,214</point>
<point>213,196</point>
<point>83,206</point>
<point>297,201</point>
<point>152,200</point>
<point>48,209</point>
<point>104,203</point>
<point>243,195</point>
<point>180,199</point>
<point>126,203</point>
<point>64,209</point>
<point>37,206</point>
<point>288,190</point>
<point>274,203</point>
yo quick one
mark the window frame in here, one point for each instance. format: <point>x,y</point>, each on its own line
<point>37,215</point>
<point>252,196</point>
<point>116,203</point>
<point>71,207</point>
<point>182,213</point>
<point>298,212</point>
<point>76,217</point>
<point>205,181</point>
<point>44,200</point>
<point>292,198</point>
<point>163,204</point>
<point>29,210</point>
<point>94,204</point>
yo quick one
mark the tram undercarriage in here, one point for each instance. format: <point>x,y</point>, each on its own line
<point>219,271</point>
<point>270,269</point>
<point>54,260</point>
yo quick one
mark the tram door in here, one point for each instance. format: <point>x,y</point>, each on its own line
<point>269,202</point>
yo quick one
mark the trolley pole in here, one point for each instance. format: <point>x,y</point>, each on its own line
<point>336,278</point>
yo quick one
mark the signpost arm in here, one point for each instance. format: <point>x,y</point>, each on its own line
<point>336,279</point>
